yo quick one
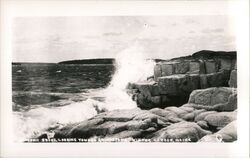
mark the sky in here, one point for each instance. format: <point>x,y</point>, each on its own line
<point>54,39</point>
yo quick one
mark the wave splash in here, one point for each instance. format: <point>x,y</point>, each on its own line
<point>131,66</point>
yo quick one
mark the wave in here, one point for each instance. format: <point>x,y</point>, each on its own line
<point>131,66</point>
<point>32,123</point>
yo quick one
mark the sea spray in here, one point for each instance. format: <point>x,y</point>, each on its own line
<point>32,123</point>
<point>132,65</point>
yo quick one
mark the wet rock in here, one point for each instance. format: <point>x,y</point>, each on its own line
<point>211,66</point>
<point>216,79</point>
<point>233,79</point>
<point>181,130</point>
<point>226,64</point>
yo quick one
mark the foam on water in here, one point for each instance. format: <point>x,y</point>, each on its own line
<point>36,121</point>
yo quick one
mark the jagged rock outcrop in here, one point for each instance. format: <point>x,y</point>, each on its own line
<point>175,79</point>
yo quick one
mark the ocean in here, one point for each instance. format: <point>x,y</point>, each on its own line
<point>46,96</point>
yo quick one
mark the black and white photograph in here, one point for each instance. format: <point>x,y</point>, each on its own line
<point>124,78</point>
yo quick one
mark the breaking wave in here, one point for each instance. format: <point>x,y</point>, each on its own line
<point>131,66</point>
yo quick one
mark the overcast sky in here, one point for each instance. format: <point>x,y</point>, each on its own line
<point>54,39</point>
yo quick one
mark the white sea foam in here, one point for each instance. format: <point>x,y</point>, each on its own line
<point>35,121</point>
<point>131,66</point>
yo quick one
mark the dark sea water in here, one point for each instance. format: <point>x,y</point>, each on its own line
<point>46,96</point>
<point>34,84</point>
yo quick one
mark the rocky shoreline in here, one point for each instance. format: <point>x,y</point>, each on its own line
<point>189,99</point>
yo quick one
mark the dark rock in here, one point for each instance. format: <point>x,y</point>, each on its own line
<point>226,64</point>
<point>178,84</point>
<point>211,66</point>
<point>218,79</point>
<point>207,54</point>
<point>43,136</point>
<point>233,79</point>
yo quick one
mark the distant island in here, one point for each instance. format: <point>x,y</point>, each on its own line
<point>97,61</point>
<point>89,61</point>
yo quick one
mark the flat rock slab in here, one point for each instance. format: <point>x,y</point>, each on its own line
<point>220,119</point>
<point>181,130</point>
<point>216,98</point>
